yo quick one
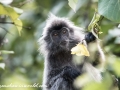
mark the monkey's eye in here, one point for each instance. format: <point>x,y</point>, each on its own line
<point>64,31</point>
<point>55,34</point>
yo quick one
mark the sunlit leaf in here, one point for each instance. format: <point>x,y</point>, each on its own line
<point>73,4</point>
<point>2,65</point>
<point>110,9</point>
<point>2,10</point>
<point>11,12</point>
<point>79,50</point>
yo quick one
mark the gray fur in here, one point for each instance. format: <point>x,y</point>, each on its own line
<point>59,70</point>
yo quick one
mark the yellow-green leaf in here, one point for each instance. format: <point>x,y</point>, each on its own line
<point>11,12</point>
<point>2,10</point>
<point>18,24</point>
<point>116,66</point>
<point>73,4</point>
<point>79,50</point>
<point>1,58</point>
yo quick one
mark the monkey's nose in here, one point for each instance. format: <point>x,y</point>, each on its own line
<point>63,43</point>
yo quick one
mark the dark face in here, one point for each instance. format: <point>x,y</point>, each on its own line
<point>60,38</point>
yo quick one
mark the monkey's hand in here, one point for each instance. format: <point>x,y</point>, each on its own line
<point>89,37</point>
<point>64,80</point>
<point>70,73</point>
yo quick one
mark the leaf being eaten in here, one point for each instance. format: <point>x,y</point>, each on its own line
<point>79,50</point>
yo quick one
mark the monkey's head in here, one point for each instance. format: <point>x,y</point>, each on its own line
<point>59,35</point>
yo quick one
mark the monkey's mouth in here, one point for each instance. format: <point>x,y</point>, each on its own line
<point>64,45</point>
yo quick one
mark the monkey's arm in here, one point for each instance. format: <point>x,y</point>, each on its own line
<point>89,37</point>
<point>64,80</point>
<point>70,73</point>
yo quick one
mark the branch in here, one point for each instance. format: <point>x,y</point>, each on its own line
<point>15,24</point>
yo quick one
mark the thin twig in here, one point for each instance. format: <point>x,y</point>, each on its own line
<point>5,30</point>
<point>7,22</point>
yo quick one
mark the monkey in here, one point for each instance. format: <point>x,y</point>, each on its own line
<point>59,36</point>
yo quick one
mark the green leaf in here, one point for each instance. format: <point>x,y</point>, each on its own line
<point>73,4</point>
<point>110,9</point>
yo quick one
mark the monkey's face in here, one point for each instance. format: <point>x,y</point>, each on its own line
<point>60,38</point>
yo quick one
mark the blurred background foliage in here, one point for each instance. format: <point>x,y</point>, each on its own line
<point>25,65</point>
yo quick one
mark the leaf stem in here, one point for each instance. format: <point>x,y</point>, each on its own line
<point>100,20</point>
